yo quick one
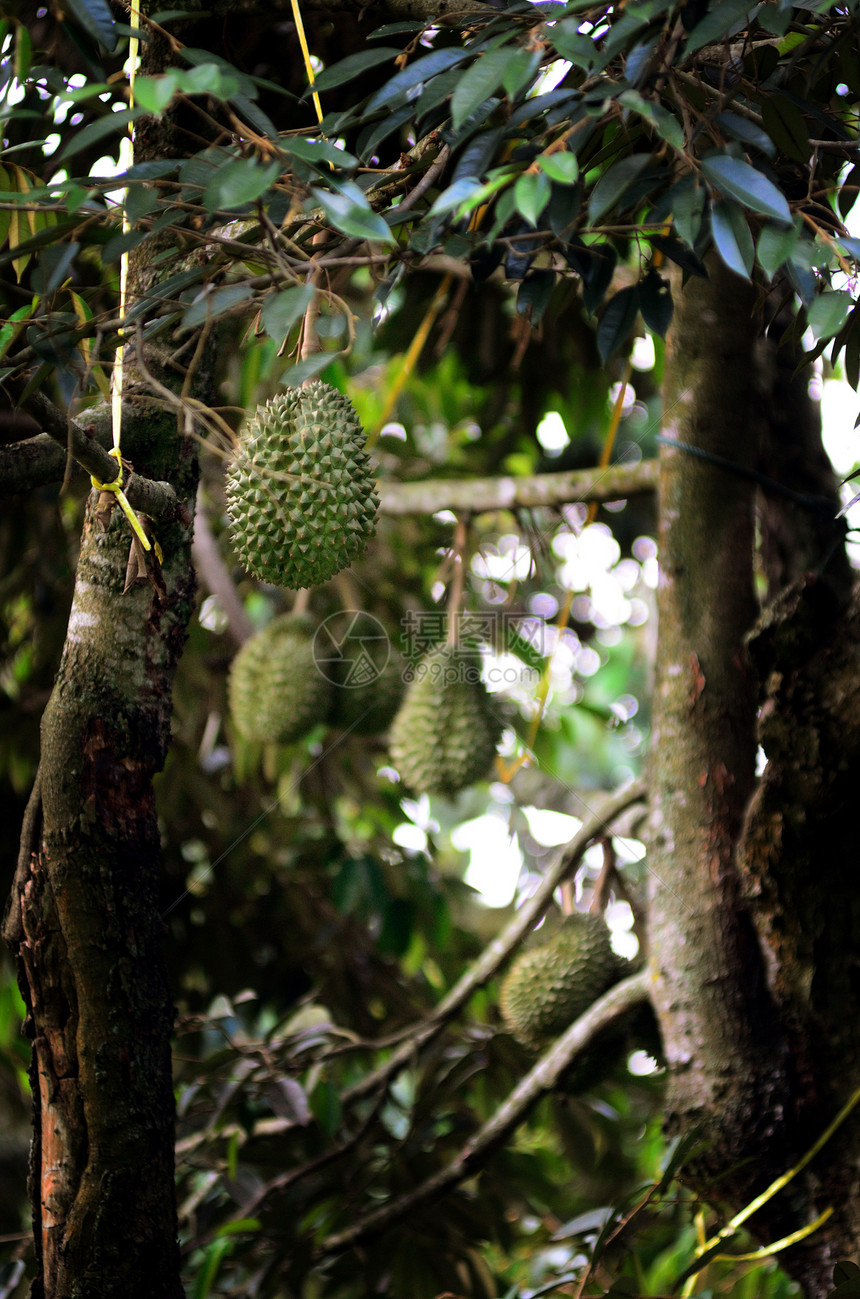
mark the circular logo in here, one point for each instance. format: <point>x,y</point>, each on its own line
<point>351,648</point>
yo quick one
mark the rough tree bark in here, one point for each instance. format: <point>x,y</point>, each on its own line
<point>750,921</point>
<point>83,919</point>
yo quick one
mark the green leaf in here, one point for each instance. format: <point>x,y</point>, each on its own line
<point>616,322</point>
<point>210,305</point>
<point>850,245</point>
<point>214,1253</point>
<point>572,45</point>
<point>848,191</point>
<point>688,207</point>
<point>534,294</point>
<point>776,243</point>
<point>109,125</point>
<point>154,93</point>
<point>13,325</point>
<point>742,182</point>
<point>531,195</point>
<point>613,183</point>
<point>23,53</point>
<point>237,183</point>
<point>828,313</point>
<point>665,123</point>
<point>282,310</point>
<point>352,66</point>
<point>784,123</point>
<point>463,192</point>
<point>478,82</point>
<point>351,214</point>
<point>326,1107</point>
<point>560,167</point>
<point>320,153</point>
<point>740,128</point>
<point>655,303</point>
<point>209,79</point>
<point>419,71</point>
<point>521,70</point>
<point>96,19</point>
<point>732,238</point>
<point>718,23</point>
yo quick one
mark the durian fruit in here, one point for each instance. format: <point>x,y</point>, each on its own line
<point>275,689</point>
<point>368,706</point>
<point>301,498</point>
<point>552,983</point>
<point>445,733</point>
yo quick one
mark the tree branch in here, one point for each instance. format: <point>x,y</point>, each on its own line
<point>477,494</point>
<point>42,459</point>
<point>445,11</point>
<point>539,1080</point>
<point>216,577</point>
<point>498,951</point>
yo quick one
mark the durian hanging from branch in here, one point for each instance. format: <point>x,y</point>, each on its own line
<point>301,498</point>
<point>444,736</point>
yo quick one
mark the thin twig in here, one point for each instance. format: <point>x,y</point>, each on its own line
<point>216,577</point>
<point>498,951</point>
<point>510,1114</point>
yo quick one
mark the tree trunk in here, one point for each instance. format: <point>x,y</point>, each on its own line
<point>749,926</point>
<point>84,917</point>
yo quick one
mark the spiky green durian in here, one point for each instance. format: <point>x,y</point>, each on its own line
<point>368,706</point>
<point>552,983</point>
<point>276,692</point>
<point>301,498</point>
<point>446,730</point>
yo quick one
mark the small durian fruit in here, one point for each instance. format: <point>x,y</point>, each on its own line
<point>275,689</point>
<point>301,498</point>
<point>446,730</point>
<point>552,983</point>
<point>368,707</point>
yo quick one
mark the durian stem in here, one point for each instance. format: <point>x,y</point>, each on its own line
<point>494,956</point>
<point>458,579</point>
<point>507,1118</point>
<point>310,338</point>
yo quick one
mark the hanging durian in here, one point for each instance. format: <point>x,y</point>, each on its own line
<point>446,730</point>
<point>552,983</point>
<point>275,689</point>
<point>301,498</point>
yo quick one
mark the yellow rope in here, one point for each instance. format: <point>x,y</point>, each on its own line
<point>507,772</point>
<point>412,355</point>
<point>126,157</point>
<point>777,1185</point>
<point>306,55</point>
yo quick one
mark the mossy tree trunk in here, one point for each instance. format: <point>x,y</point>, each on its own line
<point>84,919</point>
<point>750,919</point>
